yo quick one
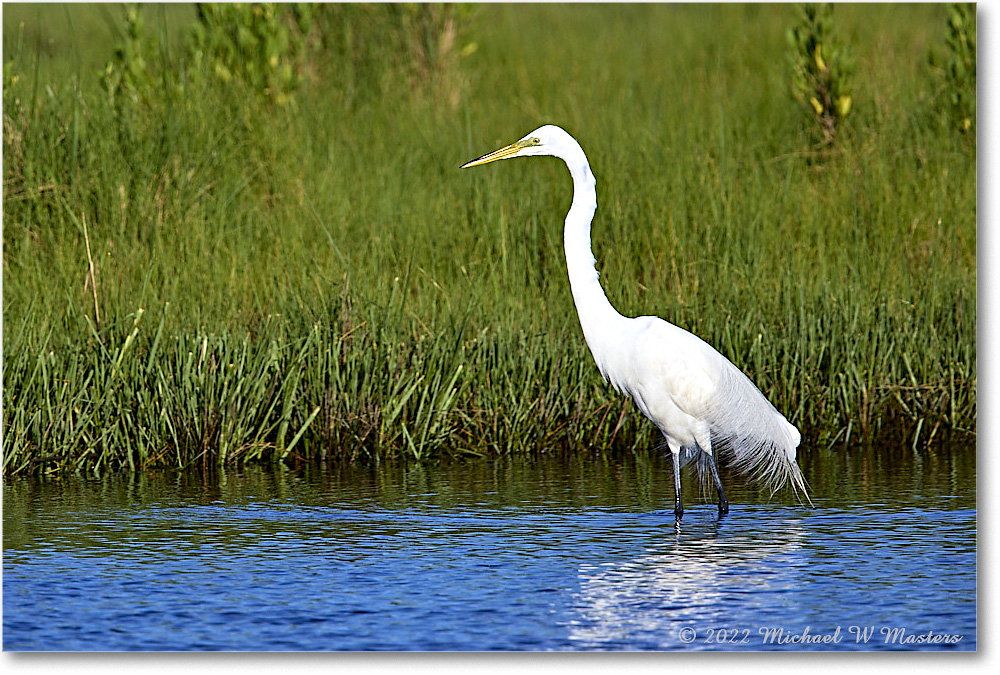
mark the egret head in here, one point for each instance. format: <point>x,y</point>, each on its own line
<point>545,140</point>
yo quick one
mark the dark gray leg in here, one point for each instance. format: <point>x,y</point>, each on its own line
<point>678,506</point>
<point>723,502</point>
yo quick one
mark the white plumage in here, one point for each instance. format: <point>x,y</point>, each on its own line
<point>702,404</point>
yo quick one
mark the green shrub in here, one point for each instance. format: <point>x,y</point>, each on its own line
<point>956,68</point>
<point>822,70</point>
<point>381,50</point>
<point>270,50</point>
<point>127,73</point>
<point>263,44</point>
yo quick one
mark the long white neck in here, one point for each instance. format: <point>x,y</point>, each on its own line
<point>599,320</point>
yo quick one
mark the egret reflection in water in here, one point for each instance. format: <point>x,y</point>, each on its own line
<point>702,578</point>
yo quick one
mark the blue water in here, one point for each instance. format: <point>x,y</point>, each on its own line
<point>552,555</point>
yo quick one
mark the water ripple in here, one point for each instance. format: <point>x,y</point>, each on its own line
<point>338,570</point>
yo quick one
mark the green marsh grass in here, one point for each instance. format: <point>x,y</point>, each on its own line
<point>320,280</point>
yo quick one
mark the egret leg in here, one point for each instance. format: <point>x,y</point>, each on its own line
<point>704,437</point>
<point>723,501</point>
<point>675,457</point>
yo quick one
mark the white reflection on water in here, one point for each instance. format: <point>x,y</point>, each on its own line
<point>705,581</point>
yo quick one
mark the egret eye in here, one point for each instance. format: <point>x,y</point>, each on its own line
<point>535,141</point>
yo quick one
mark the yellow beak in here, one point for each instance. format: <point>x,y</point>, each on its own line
<point>502,153</point>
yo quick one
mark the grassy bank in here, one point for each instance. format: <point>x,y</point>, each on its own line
<point>207,276</point>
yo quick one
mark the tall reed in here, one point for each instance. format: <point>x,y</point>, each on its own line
<point>290,282</point>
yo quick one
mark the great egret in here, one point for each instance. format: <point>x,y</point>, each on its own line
<point>700,402</point>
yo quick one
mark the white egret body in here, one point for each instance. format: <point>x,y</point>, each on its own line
<point>700,402</point>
